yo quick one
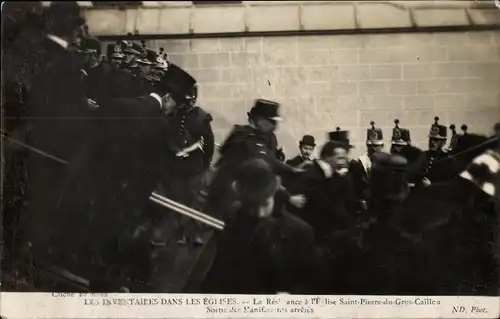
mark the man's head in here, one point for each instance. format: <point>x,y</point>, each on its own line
<point>264,115</point>
<point>114,53</point>
<point>64,19</point>
<point>177,87</point>
<point>307,145</point>
<point>436,144</point>
<point>437,135</point>
<point>132,52</point>
<point>91,48</point>
<point>388,177</point>
<point>374,140</point>
<point>255,186</point>
<point>335,154</point>
<point>397,149</point>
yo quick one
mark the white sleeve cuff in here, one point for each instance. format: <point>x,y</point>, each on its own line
<point>157,97</point>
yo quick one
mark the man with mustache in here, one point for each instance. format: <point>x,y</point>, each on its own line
<point>306,146</point>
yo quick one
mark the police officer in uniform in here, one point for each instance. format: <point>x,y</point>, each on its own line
<point>434,165</point>
<point>189,149</point>
<point>360,167</point>
<point>401,143</point>
<point>114,55</point>
<point>257,139</point>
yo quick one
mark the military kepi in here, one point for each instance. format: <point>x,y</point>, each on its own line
<point>114,51</point>
<point>340,137</point>
<point>438,131</point>
<point>267,109</point>
<point>400,136</point>
<point>374,135</point>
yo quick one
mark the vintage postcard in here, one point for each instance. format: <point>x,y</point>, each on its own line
<point>256,159</point>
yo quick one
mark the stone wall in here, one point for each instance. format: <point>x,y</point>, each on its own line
<point>347,81</point>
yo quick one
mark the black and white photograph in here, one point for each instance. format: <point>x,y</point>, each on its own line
<point>251,147</point>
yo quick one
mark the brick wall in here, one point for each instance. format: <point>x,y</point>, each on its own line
<point>347,81</point>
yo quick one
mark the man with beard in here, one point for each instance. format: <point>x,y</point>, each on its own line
<point>401,143</point>
<point>434,165</point>
<point>189,150</point>
<point>360,167</point>
<point>306,147</point>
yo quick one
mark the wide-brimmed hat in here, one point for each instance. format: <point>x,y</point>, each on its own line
<point>483,172</point>
<point>267,109</point>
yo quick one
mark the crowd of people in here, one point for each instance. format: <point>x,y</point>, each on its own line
<point>89,138</point>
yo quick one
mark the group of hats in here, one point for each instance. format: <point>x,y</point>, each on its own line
<point>142,54</point>
<point>401,136</point>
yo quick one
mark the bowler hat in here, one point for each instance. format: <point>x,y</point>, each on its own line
<point>340,138</point>
<point>438,131</point>
<point>308,140</point>
<point>267,109</point>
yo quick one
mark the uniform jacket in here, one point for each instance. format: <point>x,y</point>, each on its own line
<point>57,105</point>
<point>185,129</point>
<point>104,188</point>
<point>436,166</point>
<point>244,143</point>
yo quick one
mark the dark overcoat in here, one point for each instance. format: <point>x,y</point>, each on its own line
<point>101,194</point>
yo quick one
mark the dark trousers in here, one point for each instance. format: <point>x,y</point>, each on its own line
<point>185,190</point>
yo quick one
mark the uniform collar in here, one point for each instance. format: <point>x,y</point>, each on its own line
<point>54,38</point>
